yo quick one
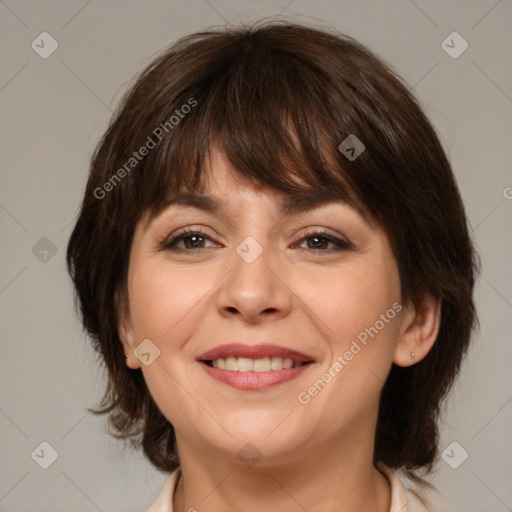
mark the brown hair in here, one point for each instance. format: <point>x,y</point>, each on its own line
<point>278,98</point>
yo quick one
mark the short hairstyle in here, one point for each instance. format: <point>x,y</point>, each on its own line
<point>278,98</point>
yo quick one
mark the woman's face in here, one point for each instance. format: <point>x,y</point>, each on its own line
<point>258,276</point>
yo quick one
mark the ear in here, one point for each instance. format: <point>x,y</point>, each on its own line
<point>125,329</point>
<point>418,333</point>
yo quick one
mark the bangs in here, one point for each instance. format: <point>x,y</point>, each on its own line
<point>271,115</point>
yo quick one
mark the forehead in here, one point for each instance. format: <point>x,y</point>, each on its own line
<point>224,185</point>
<point>224,190</point>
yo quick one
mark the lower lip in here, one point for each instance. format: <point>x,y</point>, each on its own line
<point>254,381</point>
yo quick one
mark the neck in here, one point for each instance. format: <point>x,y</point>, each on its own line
<point>338,476</point>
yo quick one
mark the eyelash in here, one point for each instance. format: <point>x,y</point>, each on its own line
<point>342,245</point>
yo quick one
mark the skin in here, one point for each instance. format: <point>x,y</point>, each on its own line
<point>316,456</point>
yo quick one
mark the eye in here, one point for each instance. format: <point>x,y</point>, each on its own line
<point>320,239</point>
<point>195,240</point>
<point>192,239</point>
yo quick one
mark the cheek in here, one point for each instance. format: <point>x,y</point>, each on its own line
<point>351,299</point>
<point>164,299</point>
<point>166,307</point>
<point>356,305</point>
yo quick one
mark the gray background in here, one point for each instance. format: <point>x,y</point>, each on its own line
<point>53,112</point>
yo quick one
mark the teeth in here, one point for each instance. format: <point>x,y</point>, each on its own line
<point>231,363</point>
<point>264,364</point>
<point>276,363</point>
<point>244,364</point>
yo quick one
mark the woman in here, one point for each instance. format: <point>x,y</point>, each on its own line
<point>273,259</point>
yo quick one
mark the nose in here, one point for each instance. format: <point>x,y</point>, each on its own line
<point>255,291</point>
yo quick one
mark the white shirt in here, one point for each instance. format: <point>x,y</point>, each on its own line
<point>401,499</point>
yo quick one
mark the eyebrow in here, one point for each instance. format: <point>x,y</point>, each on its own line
<point>290,205</point>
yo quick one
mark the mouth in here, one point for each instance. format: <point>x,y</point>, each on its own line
<point>260,365</point>
<point>255,367</point>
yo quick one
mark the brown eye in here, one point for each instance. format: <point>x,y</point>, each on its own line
<point>319,242</point>
<point>192,240</point>
<point>195,240</point>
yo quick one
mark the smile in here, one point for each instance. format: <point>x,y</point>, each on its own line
<point>254,380</point>
<point>254,367</point>
<point>246,364</point>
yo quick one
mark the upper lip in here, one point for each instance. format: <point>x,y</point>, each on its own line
<point>254,352</point>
